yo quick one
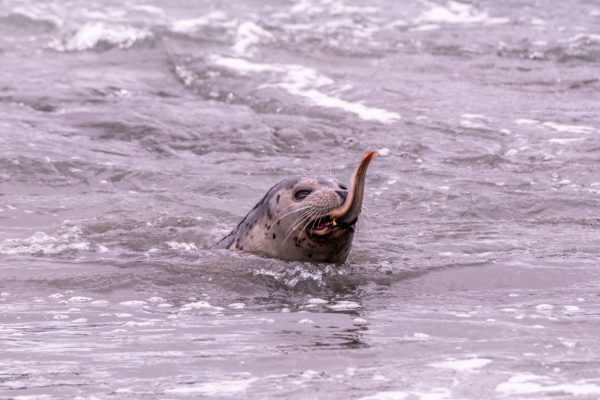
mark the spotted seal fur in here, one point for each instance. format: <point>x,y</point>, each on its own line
<point>303,218</point>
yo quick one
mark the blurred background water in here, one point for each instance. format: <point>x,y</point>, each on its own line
<point>136,134</point>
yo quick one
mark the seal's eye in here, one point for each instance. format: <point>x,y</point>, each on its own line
<point>342,186</point>
<point>301,194</point>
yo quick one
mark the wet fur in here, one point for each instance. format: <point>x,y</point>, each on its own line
<point>276,225</point>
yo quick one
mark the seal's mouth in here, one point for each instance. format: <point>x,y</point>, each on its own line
<point>346,215</point>
<point>323,226</point>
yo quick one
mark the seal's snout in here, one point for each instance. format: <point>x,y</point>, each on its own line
<point>343,194</point>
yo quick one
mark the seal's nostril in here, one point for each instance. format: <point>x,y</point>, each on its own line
<point>343,194</point>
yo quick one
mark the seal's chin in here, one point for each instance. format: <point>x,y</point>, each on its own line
<point>322,227</point>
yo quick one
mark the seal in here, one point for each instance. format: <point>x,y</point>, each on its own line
<point>303,218</point>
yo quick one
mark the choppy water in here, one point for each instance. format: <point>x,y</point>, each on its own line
<point>135,135</point>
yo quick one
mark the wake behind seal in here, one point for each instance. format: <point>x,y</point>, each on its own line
<point>303,219</point>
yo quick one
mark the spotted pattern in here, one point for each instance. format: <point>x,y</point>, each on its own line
<point>276,226</point>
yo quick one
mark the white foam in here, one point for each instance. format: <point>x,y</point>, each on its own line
<point>193,24</point>
<point>565,140</point>
<point>526,121</point>
<point>219,388</point>
<point>249,34</point>
<point>185,76</point>
<point>362,111</point>
<point>135,323</point>
<point>525,385</point>
<point>473,116</point>
<point>66,238</point>
<point>308,7</point>
<point>307,83</point>
<point>305,321</point>
<point>237,306</point>
<point>148,9</point>
<point>569,343</point>
<point>458,13</point>
<point>339,7</point>
<point>91,34</point>
<point>384,152</point>
<point>389,395</point>
<point>463,365</point>
<point>463,315</point>
<point>343,305</point>
<point>80,299</point>
<point>199,305</point>
<point>544,307</point>
<point>133,303</point>
<point>244,66</point>
<point>583,37</point>
<point>470,124</point>
<point>182,246</point>
<point>570,128</point>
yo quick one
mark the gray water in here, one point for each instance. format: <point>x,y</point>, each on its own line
<point>134,135</point>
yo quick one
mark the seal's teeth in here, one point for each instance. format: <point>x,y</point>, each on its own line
<point>334,222</point>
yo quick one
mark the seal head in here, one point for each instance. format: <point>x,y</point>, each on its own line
<point>303,219</point>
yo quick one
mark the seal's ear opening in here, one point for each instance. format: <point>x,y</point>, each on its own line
<point>350,210</point>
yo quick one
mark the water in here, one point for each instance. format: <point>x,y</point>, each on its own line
<point>134,136</point>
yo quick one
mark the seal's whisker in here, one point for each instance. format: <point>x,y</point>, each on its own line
<point>304,207</point>
<point>300,220</point>
<point>291,212</point>
<point>286,209</point>
<point>307,216</point>
<point>291,229</point>
<point>305,174</point>
<point>307,222</point>
<point>321,213</point>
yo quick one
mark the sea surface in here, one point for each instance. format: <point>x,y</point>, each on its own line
<point>136,134</point>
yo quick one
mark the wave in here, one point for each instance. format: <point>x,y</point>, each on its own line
<point>457,13</point>
<point>67,239</point>
<point>98,35</point>
<point>191,25</point>
<point>29,24</point>
<point>307,83</point>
